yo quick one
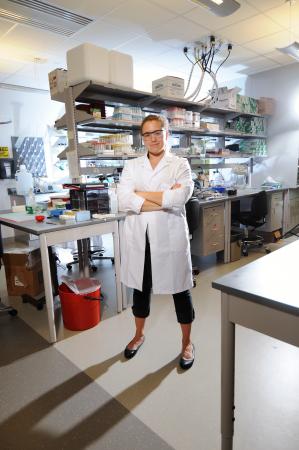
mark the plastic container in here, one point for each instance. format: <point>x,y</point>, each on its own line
<point>87,62</point>
<point>30,202</point>
<point>24,181</point>
<point>79,311</point>
<point>121,69</point>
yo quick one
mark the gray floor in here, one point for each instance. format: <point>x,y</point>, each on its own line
<point>56,393</point>
<point>47,403</point>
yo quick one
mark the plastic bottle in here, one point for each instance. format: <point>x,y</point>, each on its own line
<point>113,201</point>
<point>30,202</point>
<point>24,181</point>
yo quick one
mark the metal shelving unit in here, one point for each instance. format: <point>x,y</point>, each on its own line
<point>87,92</point>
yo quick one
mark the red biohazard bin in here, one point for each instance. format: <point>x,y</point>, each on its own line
<point>79,311</point>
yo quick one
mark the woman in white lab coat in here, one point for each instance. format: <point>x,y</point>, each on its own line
<point>153,190</point>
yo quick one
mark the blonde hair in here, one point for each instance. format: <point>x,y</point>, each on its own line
<point>151,117</point>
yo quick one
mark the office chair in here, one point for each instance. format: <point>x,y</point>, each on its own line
<point>253,218</point>
<point>192,215</point>
<point>93,253</point>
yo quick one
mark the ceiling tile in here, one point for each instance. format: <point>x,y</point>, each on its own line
<point>31,75</point>
<point>178,32</point>
<point>9,66</point>
<point>103,34</point>
<point>138,16</point>
<point>89,8</point>
<point>176,6</point>
<point>258,65</point>
<point>143,47</point>
<point>173,59</point>
<point>286,17</point>
<point>281,58</point>
<point>5,26</point>
<point>250,29</point>
<point>209,20</point>
<point>264,5</point>
<point>32,40</point>
<point>269,43</point>
<point>239,54</point>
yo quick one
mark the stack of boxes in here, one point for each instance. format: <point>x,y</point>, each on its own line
<point>249,125</point>
<point>128,113</point>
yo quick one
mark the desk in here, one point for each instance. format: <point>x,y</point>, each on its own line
<point>50,234</point>
<point>227,202</point>
<point>262,296</point>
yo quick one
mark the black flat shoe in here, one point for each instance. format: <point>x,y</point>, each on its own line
<point>185,364</point>
<point>131,353</point>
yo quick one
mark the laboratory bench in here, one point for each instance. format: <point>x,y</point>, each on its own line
<point>214,231</point>
<point>51,233</point>
<point>261,296</point>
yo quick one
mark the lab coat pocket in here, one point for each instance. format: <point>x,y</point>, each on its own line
<point>178,230</point>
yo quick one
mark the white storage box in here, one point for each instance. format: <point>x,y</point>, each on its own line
<point>227,98</point>
<point>169,87</point>
<point>87,62</point>
<point>57,82</point>
<point>121,69</point>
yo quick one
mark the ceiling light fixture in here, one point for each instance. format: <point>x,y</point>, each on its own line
<point>219,7</point>
<point>291,50</point>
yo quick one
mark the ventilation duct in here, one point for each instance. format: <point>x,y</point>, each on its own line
<point>219,7</point>
<point>42,15</point>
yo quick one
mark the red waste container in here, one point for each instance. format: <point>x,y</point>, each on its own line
<point>79,311</point>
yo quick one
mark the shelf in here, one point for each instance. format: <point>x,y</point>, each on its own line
<point>114,95</point>
<point>85,153</point>
<point>86,122</point>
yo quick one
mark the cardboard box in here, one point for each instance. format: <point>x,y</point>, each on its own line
<point>266,106</point>
<point>227,98</point>
<point>57,82</point>
<point>209,126</point>
<point>169,87</point>
<point>23,270</point>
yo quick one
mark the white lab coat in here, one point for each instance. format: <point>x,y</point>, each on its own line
<point>167,229</point>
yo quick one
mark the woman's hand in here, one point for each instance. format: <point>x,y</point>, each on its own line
<point>176,186</point>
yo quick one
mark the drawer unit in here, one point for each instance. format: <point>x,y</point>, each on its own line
<point>209,236</point>
<point>275,212</point>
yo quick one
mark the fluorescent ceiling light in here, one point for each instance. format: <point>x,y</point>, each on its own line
<point>292,50</point>
<point>219,7</point>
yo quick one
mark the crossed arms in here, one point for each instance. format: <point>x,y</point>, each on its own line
<point>153,200</point>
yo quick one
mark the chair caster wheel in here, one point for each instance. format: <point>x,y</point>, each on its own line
<point>94,268</point>
<point>13,312</point>
<point>40,306</point>
<point>69,268</point>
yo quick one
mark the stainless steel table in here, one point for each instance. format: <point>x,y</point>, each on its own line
<point>52,234</point>
<point>262,296</point>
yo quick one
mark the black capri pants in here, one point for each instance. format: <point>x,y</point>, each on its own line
<point>141,299</point>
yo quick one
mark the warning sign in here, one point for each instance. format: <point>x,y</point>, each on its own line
<point>4,152</point>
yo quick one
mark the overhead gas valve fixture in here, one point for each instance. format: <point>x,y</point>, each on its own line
<point>208,58</point>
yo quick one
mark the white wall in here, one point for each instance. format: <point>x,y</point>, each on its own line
<point>31,113</point>
<point>283,128</point>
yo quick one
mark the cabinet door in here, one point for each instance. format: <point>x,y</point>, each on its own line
<point>275,212</point>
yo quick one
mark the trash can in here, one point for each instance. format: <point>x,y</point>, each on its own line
<point>80,311</point>
<point>235,246</point>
